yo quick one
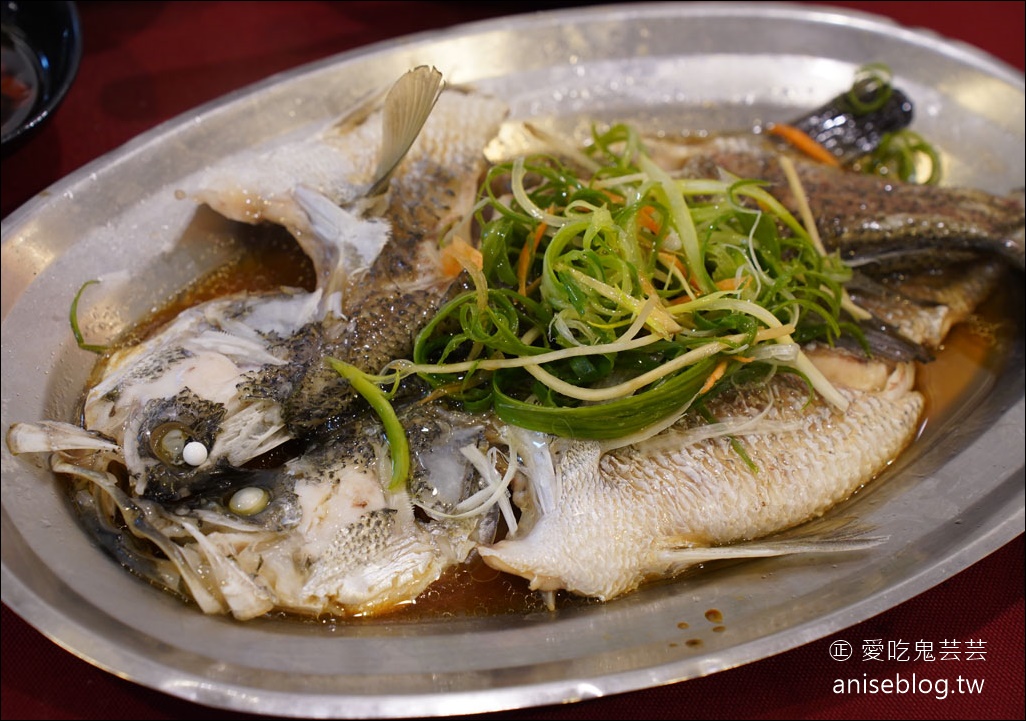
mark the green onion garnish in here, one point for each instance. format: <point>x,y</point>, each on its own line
<point>611,296</point>
<point>395,434</point>
<point>73,314</point>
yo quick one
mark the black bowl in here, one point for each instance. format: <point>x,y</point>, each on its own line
<point>42,47</point>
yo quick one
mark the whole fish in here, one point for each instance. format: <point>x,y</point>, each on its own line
<point>326,532</point>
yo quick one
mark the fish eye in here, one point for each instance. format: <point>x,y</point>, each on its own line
<point>194,453</point>
<point>249,501</point>
<point>174,443</point>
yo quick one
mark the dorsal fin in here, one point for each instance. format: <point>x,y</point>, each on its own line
<point>407,107</point>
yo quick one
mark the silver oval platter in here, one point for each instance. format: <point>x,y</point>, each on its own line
<point>956,497</point>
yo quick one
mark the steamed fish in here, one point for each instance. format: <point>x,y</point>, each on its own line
<point>652,356</point>
<point>174,420</point>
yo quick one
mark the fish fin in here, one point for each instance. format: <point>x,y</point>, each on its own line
<point>846,537</point>
<point>357,241</point>
<point>48,436</point>
<point>139,515</point>
<point>407,107</point>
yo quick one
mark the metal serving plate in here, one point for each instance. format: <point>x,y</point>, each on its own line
<point>952,500</point>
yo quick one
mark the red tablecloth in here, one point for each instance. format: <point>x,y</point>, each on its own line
<point>146,62</point>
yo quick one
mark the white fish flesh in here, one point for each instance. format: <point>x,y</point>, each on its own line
<point>653,510</point>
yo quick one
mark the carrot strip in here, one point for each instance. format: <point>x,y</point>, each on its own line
<point>804,143</point>
<point>686,274</point>
<point>717,373</point>
<point>527,253</point>
<point>455,251</point>
<point>646,220</point>
<point>732,284</point>
<point>615,197</point>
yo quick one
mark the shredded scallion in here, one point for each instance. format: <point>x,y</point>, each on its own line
<point>613,296</point>
<point>73,316</point>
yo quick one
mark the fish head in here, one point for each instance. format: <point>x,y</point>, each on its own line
<point>318,529</point>
<point>200,395</point>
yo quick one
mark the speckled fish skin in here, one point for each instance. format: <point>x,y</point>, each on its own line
<point>872,221</point>
<point>651,511</point>
<point>401,291</point>
<point>194,373</point>
<point>924,307</point>
<point>232,373</point>
<point>380,307</point>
